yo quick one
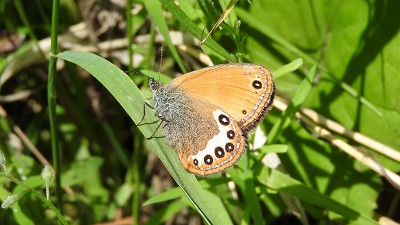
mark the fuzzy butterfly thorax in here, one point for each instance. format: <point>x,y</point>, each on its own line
<point>172,106</point>
<point>207,113</point>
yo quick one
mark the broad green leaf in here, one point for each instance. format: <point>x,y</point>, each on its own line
<point>357,54</point>
<point>289,49</point>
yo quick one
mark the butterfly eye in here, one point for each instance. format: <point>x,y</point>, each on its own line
<point>208,159</point>
<point>230,134</point>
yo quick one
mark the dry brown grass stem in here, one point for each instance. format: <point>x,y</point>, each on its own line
<point>322,126</point>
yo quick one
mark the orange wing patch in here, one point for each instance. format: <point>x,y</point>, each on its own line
<point>244,91</point>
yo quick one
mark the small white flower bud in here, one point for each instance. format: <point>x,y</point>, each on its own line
<point>9,201</point>
<point>2,159</point>
<point>46,174</point>
<point>3,162</point>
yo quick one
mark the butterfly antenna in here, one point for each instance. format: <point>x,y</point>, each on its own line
<point>161,59</point>
<point>135,71</point>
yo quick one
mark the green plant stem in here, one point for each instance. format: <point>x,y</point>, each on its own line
<point>22,15</point>
<point>51,98</point>
<point>37,194</point>
<point>136,153</point>
<point>129,33</point>
<point>137,178</point>
<point>155,11</point>
<point>193,28</point>
<point>149,56</point>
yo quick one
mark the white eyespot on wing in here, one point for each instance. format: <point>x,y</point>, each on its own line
<point>223,148</point>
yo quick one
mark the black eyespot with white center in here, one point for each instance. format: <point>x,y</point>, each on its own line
<point>219,152</point>
<point>208,159</point>
<point>229,147</point>
<point>257,84</point>
<point>224,120</point>
<point>195,162</point>
<point>244,111</point>
<point>230,134</point>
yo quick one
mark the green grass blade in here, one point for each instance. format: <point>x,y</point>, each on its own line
<point>298,99</point>
<point>284,183</point>
<point>277,148</point>
<point>219,207</point>
<point>51,100</point>
<point>132,100</point>
<point>155,10</point>
<point>168,195</point>
<point>193,28</point>
<point>290,67</point>
<point>161,216</point>
<point>177,193</point>
<point>252,200</point>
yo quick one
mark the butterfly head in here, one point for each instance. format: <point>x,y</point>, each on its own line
<point>154,85</point>
<point>158,98</point>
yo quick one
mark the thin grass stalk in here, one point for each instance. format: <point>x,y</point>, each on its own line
<point>24,139</point>
<point>137,176</point>
<point>129,33</point>
<point>355,136</point>
<point>22,15</point>
<point>368,161</point>
<point>48,203</point>
<point>137,145</point>
<point>51,98</point>
<point>150,54</point>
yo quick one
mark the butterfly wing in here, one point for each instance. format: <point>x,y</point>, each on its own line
<point>207,139</point>
<point>222,150</point>
<point>243,91</point>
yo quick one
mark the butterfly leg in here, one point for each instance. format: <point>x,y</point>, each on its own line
<point>158,127</point>
<point>144,112</point>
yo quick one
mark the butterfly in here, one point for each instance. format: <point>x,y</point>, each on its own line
<point>208,112</point>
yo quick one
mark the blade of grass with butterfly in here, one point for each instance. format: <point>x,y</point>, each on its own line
<point>132,100</point>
